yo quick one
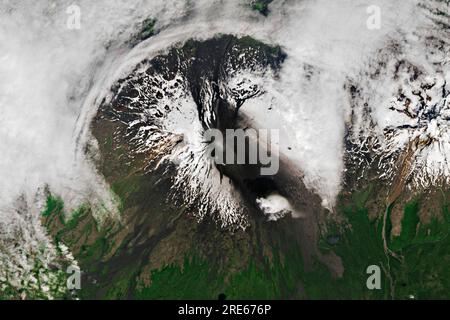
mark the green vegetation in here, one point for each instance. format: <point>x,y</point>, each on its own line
<point>55,283</point>
<point>125,190</point>
<point>262,6</point>
<point>199,279</point>
<point>54,208</point>
<point>148,28</point>
<point>409,227</point>
<point>53,205</point>
<point>360,198</point>
<point>360,246</point>
<point>437,230</point>
<point>422,273</point>
<point>76,216</point>
<point>194,280</point>
<point>41,282</point>
<point>414,233</point>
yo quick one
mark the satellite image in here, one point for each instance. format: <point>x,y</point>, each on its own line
<point>224,150</point>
